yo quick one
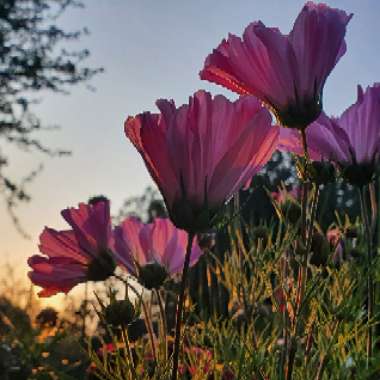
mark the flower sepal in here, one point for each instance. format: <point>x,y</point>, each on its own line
<point>299,116</point>
<point>184,216</point>
<point>152,275</point>
<point>359,174</point>
<point>101,267</point>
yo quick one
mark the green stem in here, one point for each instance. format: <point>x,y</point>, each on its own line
<point>285,334</point>
<point>304,144</point>
<point>148,324</point>
<point>132,368</point>
<point>164,324</point>
<point>309,237</point>
<point>370,290</point>
<point>374,206</point>
<point>306,236</point>
<point>181,301</point>
<point>291,346</point>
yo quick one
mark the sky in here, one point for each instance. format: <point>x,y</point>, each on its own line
<point>150,49</point>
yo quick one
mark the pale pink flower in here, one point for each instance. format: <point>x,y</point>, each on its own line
<point>138,244</point>
<point>201,153</point>
<point>287,72</point>
<point>78,255</point>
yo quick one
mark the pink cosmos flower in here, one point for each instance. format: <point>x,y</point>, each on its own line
<point>287,72</point>
<point>156,245</point>
<point>77,255</point>
<point>351,141</point>
<point>203,152</point>
<point>325,140</point>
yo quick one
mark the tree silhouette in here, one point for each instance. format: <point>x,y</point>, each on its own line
<point>33,58</point>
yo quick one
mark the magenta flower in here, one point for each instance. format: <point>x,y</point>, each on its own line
<point>202,153</point>
<point>155,247</point>
<point>351,141</point>
<point>81,254</point>
<point>287,72</point>
<point>325,140</point>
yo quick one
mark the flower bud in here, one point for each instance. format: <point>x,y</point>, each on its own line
<point>47,317</point>
<point>206,241</point>
<point>321,173</point>
<point>97,198</point>
<point>320,248</point>
<point>152,275</point>
<point>291,211</point>
<point>119,313</point>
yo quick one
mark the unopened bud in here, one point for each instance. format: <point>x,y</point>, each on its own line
<point>321,172</point>
<point>206,240</point>
<point>320,248</point>
<point>291,211</point>
<point>119,313</point>
<point>97,198</point>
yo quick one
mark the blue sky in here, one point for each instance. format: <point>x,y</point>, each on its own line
<point>152,49</point>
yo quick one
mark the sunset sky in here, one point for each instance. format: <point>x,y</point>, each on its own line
<point>150,49</point>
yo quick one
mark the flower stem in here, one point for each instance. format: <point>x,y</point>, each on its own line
<point>304,144</point>
<point>309,238</point>
<point>370,288</point>
<point>306,235</point>
<point>181,301</point>
<point>285,328</point>
<point>302,283</point>
<point>164,332</point>
<point>148,324</point>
